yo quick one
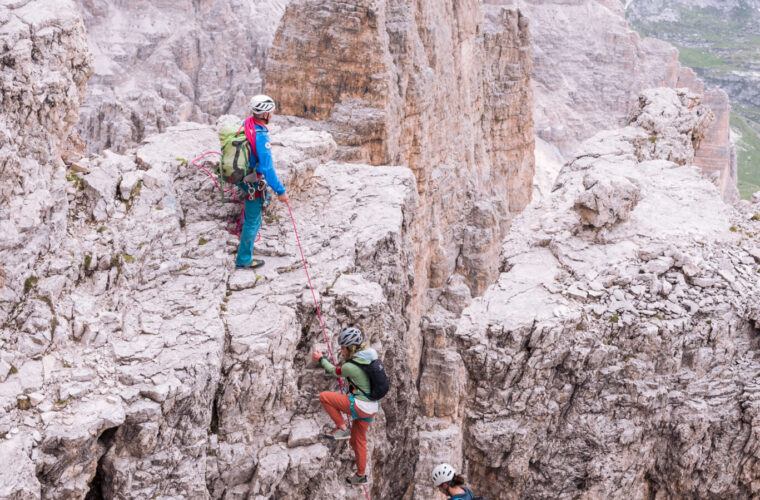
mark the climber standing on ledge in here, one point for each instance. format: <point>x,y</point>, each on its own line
<point>260,168</point>
<point>358,404</point>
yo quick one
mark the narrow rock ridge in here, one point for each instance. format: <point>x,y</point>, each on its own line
<point>127,370</point>
<point>147,362</point>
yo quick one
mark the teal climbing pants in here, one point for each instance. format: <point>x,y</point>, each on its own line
<point>251,226</point>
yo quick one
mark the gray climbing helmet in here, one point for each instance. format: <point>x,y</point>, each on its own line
<point>350,336</point>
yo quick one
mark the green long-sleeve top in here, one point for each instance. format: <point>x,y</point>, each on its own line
<point>357,377</point>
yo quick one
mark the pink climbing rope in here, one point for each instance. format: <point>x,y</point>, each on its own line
<point>319,313</point>
<point>314,295</point>
<point>206,170</point>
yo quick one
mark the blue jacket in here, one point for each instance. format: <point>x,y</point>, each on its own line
<point>467,495</point>
<point>263,164</point>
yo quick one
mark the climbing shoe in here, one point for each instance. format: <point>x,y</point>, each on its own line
<point>253,265</point>
<point>338,434</point>
<point>356,479</point>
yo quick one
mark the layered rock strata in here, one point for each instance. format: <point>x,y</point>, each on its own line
<point>716,149</point>
<point>444,91</point>
<point>615,356</point>
<point>159,63</point>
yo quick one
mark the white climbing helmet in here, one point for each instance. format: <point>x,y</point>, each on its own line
<point>443,473</point>
<point>350,336</point>
<point>261,104</point>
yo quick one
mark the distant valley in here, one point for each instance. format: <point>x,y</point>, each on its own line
<point>720,40</point>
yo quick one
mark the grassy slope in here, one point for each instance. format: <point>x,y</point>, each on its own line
<point>715,44</point>
<point>748,154</point>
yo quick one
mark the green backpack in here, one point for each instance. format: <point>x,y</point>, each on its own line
<point>235,152</point>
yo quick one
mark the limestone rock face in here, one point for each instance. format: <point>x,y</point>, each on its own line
<point>589,69</point>
<point>612,360</point>
<point>159,63</point>
<point>716,155</point>
<point>143,366</point>
<point>45,65</point>
<point>442,90</point>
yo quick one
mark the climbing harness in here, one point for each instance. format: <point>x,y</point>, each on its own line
<point>322,324</point>
<point>354,415</point>
<point>258,189</point>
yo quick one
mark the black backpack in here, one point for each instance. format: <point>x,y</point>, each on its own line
<point>378,380</point>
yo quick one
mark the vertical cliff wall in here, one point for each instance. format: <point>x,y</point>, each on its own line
<point>441,88</point>
<point>716,155</point>
<point>159,63</point>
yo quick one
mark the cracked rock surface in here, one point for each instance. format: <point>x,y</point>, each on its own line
<point>142,365</point>
<point>619,359</point>
<point>44,66</point>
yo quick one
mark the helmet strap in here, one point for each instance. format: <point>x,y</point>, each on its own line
<point>262,117</point>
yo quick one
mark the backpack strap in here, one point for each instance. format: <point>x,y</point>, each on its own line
<point>356,386</point>
<point>249,126</point>
<point>354,415</point>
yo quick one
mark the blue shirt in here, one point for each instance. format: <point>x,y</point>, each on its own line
<point>264,164</point>
<point>467,495</point>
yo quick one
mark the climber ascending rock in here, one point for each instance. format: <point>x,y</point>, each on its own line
<point>367,384</point>
<point>260,168</point>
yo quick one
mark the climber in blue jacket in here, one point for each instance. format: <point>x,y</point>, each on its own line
<point>261,167</point>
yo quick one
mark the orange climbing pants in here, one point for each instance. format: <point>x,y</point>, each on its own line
<point>334,404</point>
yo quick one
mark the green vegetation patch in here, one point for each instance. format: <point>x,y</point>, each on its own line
<point>747,154</point>
<point>721,46</point>
<point>697,58</point>
<point>73,177</point>
<point>30,283</point>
